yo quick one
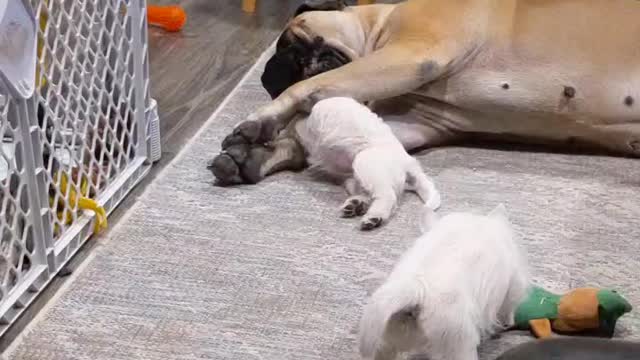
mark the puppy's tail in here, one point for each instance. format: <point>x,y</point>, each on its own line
<point>424,187</point>
<point>390,300</point>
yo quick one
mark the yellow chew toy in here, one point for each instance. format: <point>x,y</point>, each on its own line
<point>73,199</point>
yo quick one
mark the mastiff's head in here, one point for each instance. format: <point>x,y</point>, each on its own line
<point>323,35</point>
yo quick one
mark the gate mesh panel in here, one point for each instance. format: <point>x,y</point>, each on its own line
<point>16,228</point>
<point>85,99</point>
<point>84,137</point>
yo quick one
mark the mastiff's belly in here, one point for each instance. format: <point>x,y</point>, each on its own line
<point>542,101</point>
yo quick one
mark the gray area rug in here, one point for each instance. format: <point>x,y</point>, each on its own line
<point>271,271</point>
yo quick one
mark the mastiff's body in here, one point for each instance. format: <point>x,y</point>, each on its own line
<point>537,71</point>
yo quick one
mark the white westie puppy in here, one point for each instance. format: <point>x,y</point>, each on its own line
<point>346,140</point>
<point>459,283</point>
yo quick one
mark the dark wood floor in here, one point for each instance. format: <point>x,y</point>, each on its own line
<point>191,73</point>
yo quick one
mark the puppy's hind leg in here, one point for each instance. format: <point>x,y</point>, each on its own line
<point>382,182</point>
<point>423,185</point>
<point>357,203</point>
<point>386,353</point>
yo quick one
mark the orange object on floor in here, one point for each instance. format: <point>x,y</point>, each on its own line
<point>249,5</point>
<point>171,18</point>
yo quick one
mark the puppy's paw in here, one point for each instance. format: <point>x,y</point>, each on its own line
<point>370,223</point>
<point>435,200</point>
<point>354,206</point>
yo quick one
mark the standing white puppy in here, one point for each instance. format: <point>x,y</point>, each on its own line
<point>347,140</point>
<point>459,283</point>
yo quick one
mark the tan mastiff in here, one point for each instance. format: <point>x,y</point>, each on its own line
<point>549,72</point>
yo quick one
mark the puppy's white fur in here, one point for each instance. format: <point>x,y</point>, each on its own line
<point>347,140</point>
<point>460,282</point>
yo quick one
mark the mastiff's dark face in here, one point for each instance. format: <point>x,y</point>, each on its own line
<point>320,37</point>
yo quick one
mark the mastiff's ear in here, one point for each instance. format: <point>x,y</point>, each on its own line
<point>320,5</point>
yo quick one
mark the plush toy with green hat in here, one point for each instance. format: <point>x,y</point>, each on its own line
<point>580,311</point>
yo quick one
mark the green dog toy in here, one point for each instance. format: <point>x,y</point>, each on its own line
<point>583,310</point>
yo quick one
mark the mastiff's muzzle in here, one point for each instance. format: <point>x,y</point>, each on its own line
<point>298,59</point>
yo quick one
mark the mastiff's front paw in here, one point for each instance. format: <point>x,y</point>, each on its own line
<point>245,133</point>
<point>251,132</point>
<point>238,164</point>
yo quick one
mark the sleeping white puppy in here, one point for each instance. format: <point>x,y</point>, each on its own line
<point>459,283</point>
<point>346,140</point>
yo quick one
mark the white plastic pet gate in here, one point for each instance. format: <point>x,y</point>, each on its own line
<point>78,131</point>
